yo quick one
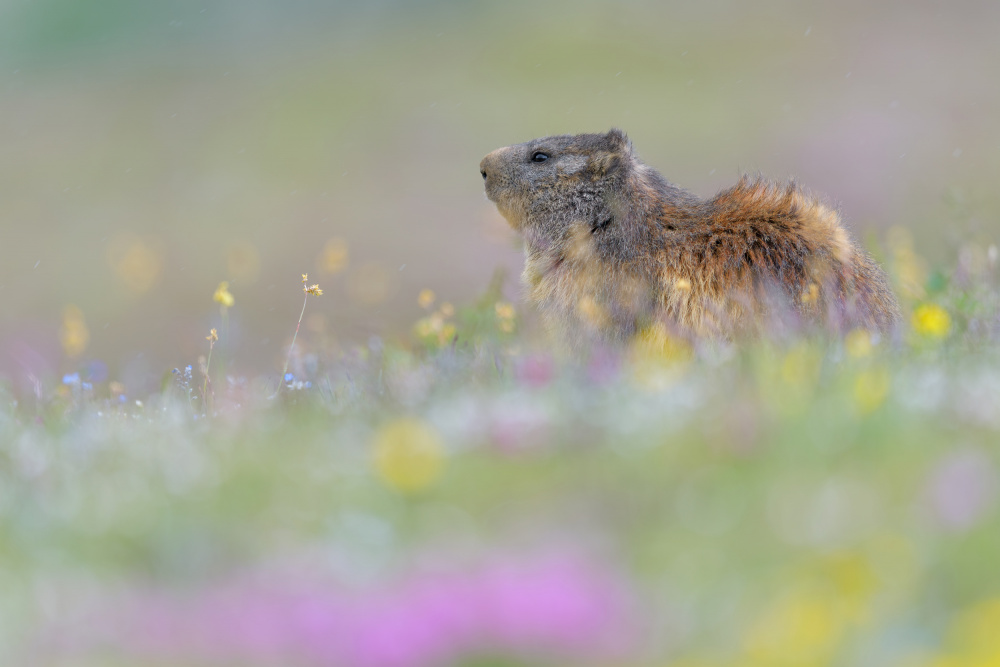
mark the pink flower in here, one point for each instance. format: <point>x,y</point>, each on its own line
<point>962,488</point>
<point>556,607</point>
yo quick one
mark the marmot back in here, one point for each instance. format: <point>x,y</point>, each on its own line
<point>612,247</point>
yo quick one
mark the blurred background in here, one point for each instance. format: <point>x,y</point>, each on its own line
<point>152,150</point>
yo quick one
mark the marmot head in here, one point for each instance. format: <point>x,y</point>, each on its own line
<point>552,184</point>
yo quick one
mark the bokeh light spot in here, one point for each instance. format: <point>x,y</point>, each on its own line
<point>409,455</point>
<point>74,334</point>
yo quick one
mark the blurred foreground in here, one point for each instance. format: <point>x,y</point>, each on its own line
<point>464,499</point>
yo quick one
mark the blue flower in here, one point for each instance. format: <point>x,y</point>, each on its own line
<point>71,378</point>
<point>289,377</point>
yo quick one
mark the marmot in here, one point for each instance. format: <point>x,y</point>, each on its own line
<point>612,247</point>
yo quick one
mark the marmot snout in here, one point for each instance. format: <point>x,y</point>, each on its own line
<point>611,247</point>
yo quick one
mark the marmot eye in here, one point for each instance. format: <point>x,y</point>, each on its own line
<point>539,156</point>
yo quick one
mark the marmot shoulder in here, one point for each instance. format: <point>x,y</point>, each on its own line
<point>611,247</point>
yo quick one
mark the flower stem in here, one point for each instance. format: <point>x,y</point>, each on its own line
<point>288,358</point>
<point>208,365</point>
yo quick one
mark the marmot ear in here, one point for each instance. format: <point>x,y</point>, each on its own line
<point>618,141</point>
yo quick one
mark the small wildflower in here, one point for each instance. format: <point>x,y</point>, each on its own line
<point>223,296</point>
<point>858,343</point>
<point>137,262</point>
<point>447,310</point>
<point>801,366</point>
<point>409,455</point>
<point>504,310</point>
<point>312,289</point>
<point>74,334</point>
<point>870,389</point>
<point>424,327</point>
<point>305,278</point>
<point>931,320</point>
<point>212,336</point>
<point>426,298</point>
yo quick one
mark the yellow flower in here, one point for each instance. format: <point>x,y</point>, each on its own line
<point>447,310</point>
<point>446,334</point>
<point>800,629</point>
<point>870,389</point>
<point>801,366</point>
<point>858,343</point>
<point>305,278</point>
<point>409,455</point>
<point>223,296</point>
<point>683,284</point>
<point>504,310</point>
<point>312,289</point>
<point>931,320</point>
<point>426,298</point>
<point>212,336</point>
<point>138,263</point>
<point>74,334</point>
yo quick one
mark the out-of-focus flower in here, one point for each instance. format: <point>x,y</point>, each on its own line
<point>799,629</point>
<point>555,608</point>
<point>212,336</point>
<point>974,637</point>
<point>426,298</point>
<point>505,316</point>
<point>446,309</point>
<point>871,388</point>
<point>223,296</point>
<point>334,256</point>
<point>656,356</point>
<point>536,370</point>
<point>137,262</point>
<point>963,488</point>
<point>74,334</point>
<point>858,343</point>
<point>409,454</point>
<point>504,310</point>
<point>931,320</point>
<point>801,365</point>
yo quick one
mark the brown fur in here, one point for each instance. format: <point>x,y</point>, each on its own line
<point>611,247</point>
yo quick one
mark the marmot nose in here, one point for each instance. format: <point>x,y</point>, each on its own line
<point>483,172</point>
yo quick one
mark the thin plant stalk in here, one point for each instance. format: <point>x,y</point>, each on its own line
<point>291,347</point>
<point>307,289</point>
<point>211,338</point>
